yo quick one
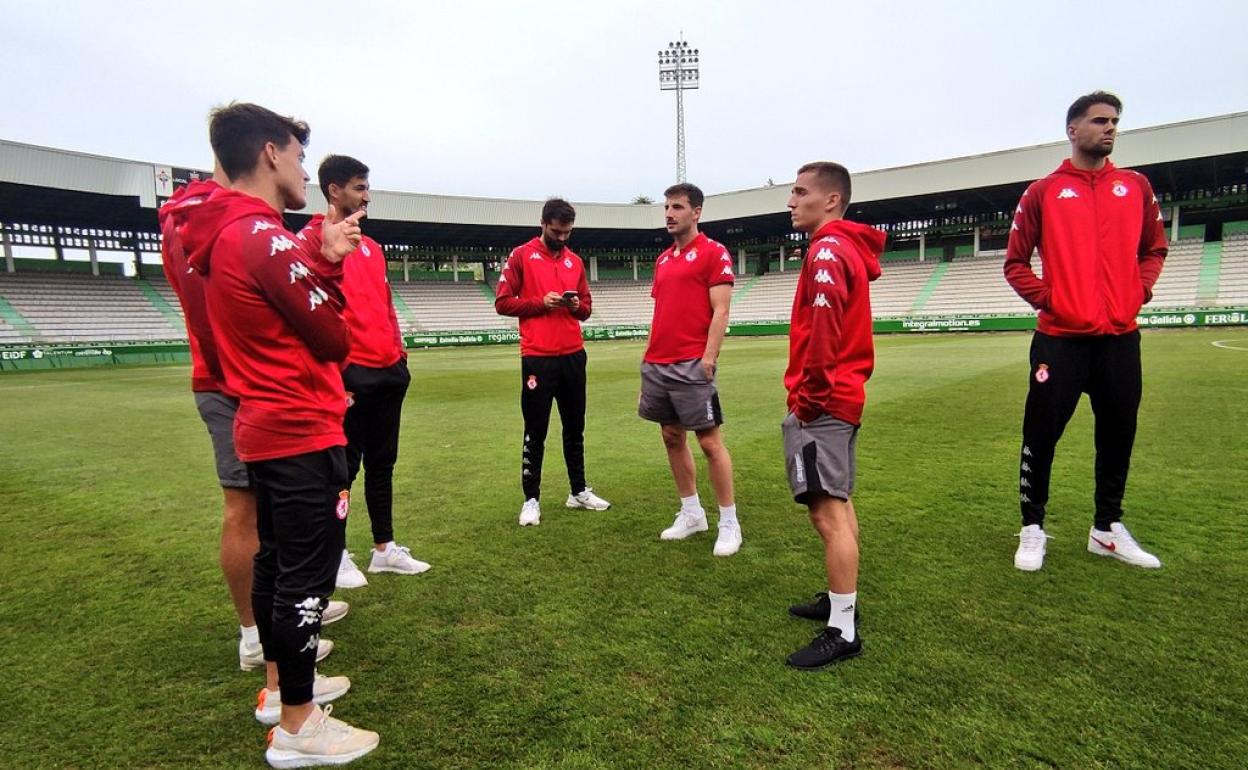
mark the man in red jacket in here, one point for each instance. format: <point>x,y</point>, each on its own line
<point>831,356</point>
<point>375,377</point>
<point>692,291</point>
<point>543,284</point>
<point>1101,240</point>
<point>275,317</point>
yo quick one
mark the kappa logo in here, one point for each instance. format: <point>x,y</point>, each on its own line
<point>502,278</point>
<point>301,236</point>
<point>1023,482</point>
<point>1067,193</point>
<point>1026,468</point>
<point>313,642</point>
<point>1014,226</point>
<point>535,255</point>
<point>727,270</point>
<point>821,301</point>
<point>344,504</point>
<point>664,260</point>
<point>825,255</point>
<point>799,469</point>
<point>298,270</point>
<point>829,239</point>
<point>1024,498</point>
<point>262,225</point>
<point>309,611</point>
<point>316,297</point>
<point>823,276</point>
<point>280,243</point>
<point>1042,373</point>
<point>364,250</point>
<point>1120,189</point>
<point>725,258</point>
<point>1026,451</point>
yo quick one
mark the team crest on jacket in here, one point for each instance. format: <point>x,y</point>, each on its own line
<point>344,504</point>
<point>1119,189</point>
<point>364,250</point>
<point>1042,373</point>
<point>567,262</point>
<point>532,383</point>
<point>692,255</point>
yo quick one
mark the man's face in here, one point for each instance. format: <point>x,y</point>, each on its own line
<point>351,197</point>
<point>291,177</point>
<point>680,216</point>
<point>1094,133</point>
<point>556,234</point>
<point>809,204</point>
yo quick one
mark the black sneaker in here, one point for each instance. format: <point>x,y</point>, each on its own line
<point>825,649</point>
<point>819,610</point>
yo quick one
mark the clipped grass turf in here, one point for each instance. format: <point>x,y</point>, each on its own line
<point>587,642</point>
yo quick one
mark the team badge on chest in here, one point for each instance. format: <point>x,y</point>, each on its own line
<point>567,263</point>
<point>1120,189</point>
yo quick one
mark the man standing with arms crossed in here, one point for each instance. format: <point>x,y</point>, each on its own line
<point>692,291</point>
<point>375,377</point>
<point>831,357</point>
<point>543,284</point>
<point>275,318</point>
<point>1102,243</point>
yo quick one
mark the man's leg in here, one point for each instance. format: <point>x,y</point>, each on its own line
<point>719,465</point>
<point>570,395</point>
<point>836,522</point>
<point>239,543</point>
<point>1059,372</point>
<point>537,392</point>
<point>1114,389</point>
<point>680,460</point>
<point>381,451</point>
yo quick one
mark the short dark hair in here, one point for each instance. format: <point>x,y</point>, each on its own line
<point>1081,105</point>
<point>690,191</point>
<point>832,175</point>
<point>558,210</point>
<point>339,169</point>
<point>238,132</point>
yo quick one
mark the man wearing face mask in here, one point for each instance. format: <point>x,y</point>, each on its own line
<point>543,284</point>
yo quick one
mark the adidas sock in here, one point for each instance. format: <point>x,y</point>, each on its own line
<point>691,504</point>
<point>251,635</point>
<point>728,515</point>
<point>842,615</point>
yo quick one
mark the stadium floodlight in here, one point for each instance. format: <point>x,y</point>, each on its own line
<point>678,71</point>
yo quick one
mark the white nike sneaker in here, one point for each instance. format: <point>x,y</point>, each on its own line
<point>1119,544</point>
<point>587,499</point>
<point>1031,544</point>
<point>349,575</point>
<point>251,657</point>
<point>322,740</point>
<point>531,513</point>
<point>728,541</point>
<point>334,612</point>
<point>686,524</point>
<point>397,558</point>
<point>324,690</point>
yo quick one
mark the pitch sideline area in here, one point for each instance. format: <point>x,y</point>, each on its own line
<point>587,642</point>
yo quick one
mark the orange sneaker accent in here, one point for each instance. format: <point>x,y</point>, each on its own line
<point>268,739</point>
<point>260,698</point>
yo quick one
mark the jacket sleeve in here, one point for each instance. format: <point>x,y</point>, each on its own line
<point>1024,236</point>
<point>587,301</point>
<point>827,314</point>
<point>507,300</point>
<point>1153,246</point>
<point>306,293</point>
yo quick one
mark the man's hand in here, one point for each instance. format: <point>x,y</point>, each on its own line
<point>573,302</point>
<point>708,367</point>
<point>340,237</point>
<point>553,299</point>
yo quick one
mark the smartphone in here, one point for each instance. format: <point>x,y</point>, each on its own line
<point>570,295</point>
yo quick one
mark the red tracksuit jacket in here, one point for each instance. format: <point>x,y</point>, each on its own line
<point>376,340</point>
<point>276,318</point>
<point>530,273</point>
<point>1102,243</point>
<point>831,350</point>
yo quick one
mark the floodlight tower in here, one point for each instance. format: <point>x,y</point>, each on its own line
<point>678,71</point>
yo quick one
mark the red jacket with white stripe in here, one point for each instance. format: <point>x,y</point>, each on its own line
<point>831,350</point>
<point>532,272</point>
<point>1101,241</point>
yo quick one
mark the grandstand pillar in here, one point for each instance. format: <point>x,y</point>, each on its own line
<point>9,267</point>
<point>56,244</point>
<point>741,261</point>
<point>593,268</point>
<point>634,267</point>
<point>455,268</point>
<point>922,246</point>
<point>975,248</point>
<point>1174,223</point>
<point>782,257</point>
<point>407,274</point>
<point>95,262</point>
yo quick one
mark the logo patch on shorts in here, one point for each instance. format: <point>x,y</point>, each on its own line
<point>1042,373</point>
<point>344,504</point>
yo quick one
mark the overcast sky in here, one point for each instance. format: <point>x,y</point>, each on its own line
<point>530,99</point>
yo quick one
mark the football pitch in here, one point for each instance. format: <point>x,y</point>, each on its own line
<point>587,642</point>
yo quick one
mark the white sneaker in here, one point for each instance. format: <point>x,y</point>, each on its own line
<point>349,575</point>
<point>531,513</point>
<point>251,657</point>
<point>587,499</point>
<point>728,541</point>
<point>396,558</point>
<point>1119,544</point>
<point>334,612</point>
<point>686,524</point>
<point>322,740</point>
<point>1031,543</point>
<point>324,690</point>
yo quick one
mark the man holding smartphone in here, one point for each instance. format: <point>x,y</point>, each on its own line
<point>543,284</point>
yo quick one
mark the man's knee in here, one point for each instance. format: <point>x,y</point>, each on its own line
<point>712,443</point>
<point>674,436</point>
<point>240,507</point>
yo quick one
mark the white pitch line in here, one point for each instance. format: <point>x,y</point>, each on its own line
<point>1223,344</point>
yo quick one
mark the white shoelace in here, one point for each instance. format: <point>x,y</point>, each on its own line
<point>1033,540</point>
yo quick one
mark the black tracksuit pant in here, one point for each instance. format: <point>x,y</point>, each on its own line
<point>1107,368</point>
<point>301,511</point>
<point>547,379</point>
<point>372,428</point>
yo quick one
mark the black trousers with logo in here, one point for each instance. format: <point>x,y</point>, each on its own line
<point>545,380</point>
<point>301,517</point>
<point>372,428</point>
<point>1107,368</point>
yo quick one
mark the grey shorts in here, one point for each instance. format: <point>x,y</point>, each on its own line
<point>679,394</point>
<point>819,457</point>
<point>217,411</point>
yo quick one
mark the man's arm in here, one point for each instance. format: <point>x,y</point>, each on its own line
<point>507,299</point>
<point>307,296</point>
<point>1024,235</point>
<point>583,305</point>
<point>826,317</point>
<point>1153,246</point>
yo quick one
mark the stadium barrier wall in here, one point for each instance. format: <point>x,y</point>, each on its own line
<point>34,357</point>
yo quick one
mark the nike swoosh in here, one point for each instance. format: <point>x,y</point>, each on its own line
<point>1106,546</point>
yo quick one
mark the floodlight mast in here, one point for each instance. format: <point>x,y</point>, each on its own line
<point>678,71</point>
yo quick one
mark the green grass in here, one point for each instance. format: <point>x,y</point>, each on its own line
<point>587,642</point>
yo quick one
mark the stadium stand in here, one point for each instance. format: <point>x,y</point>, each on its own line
<point>1176,287</point>
<point>443,306</point>
<point>1233,277</point>
<point>83,308</point>
<point>974,286</point>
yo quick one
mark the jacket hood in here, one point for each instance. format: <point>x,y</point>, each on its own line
<point>868,240</point>
<point>204,211</point>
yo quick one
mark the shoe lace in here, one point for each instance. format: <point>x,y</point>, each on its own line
<point>335,726</point>
<point>1033,539</point>
<point>1125,540</point>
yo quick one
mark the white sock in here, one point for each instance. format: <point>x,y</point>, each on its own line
<point>842,615</point>
<point>728,515</point>
<point>251,635</point>
<point>691,504</point>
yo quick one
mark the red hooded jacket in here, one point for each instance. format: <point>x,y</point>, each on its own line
<point>1102,243</point>
<point>276,318</point>
<point>530,273</point>
<point>376,341</point>
<point>831,350</point>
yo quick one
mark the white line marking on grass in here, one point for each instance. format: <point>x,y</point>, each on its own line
<point>1224,344</point>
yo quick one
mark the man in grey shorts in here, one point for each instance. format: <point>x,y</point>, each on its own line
<point>692,291</point>
<point>831,356</point>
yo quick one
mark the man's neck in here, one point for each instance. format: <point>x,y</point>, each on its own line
<point>1086,162</point>
<point>683,241</point>
<point>824,223</point>
<point>262,189</point>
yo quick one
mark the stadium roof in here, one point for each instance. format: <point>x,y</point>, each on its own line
<point>40,185</point>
